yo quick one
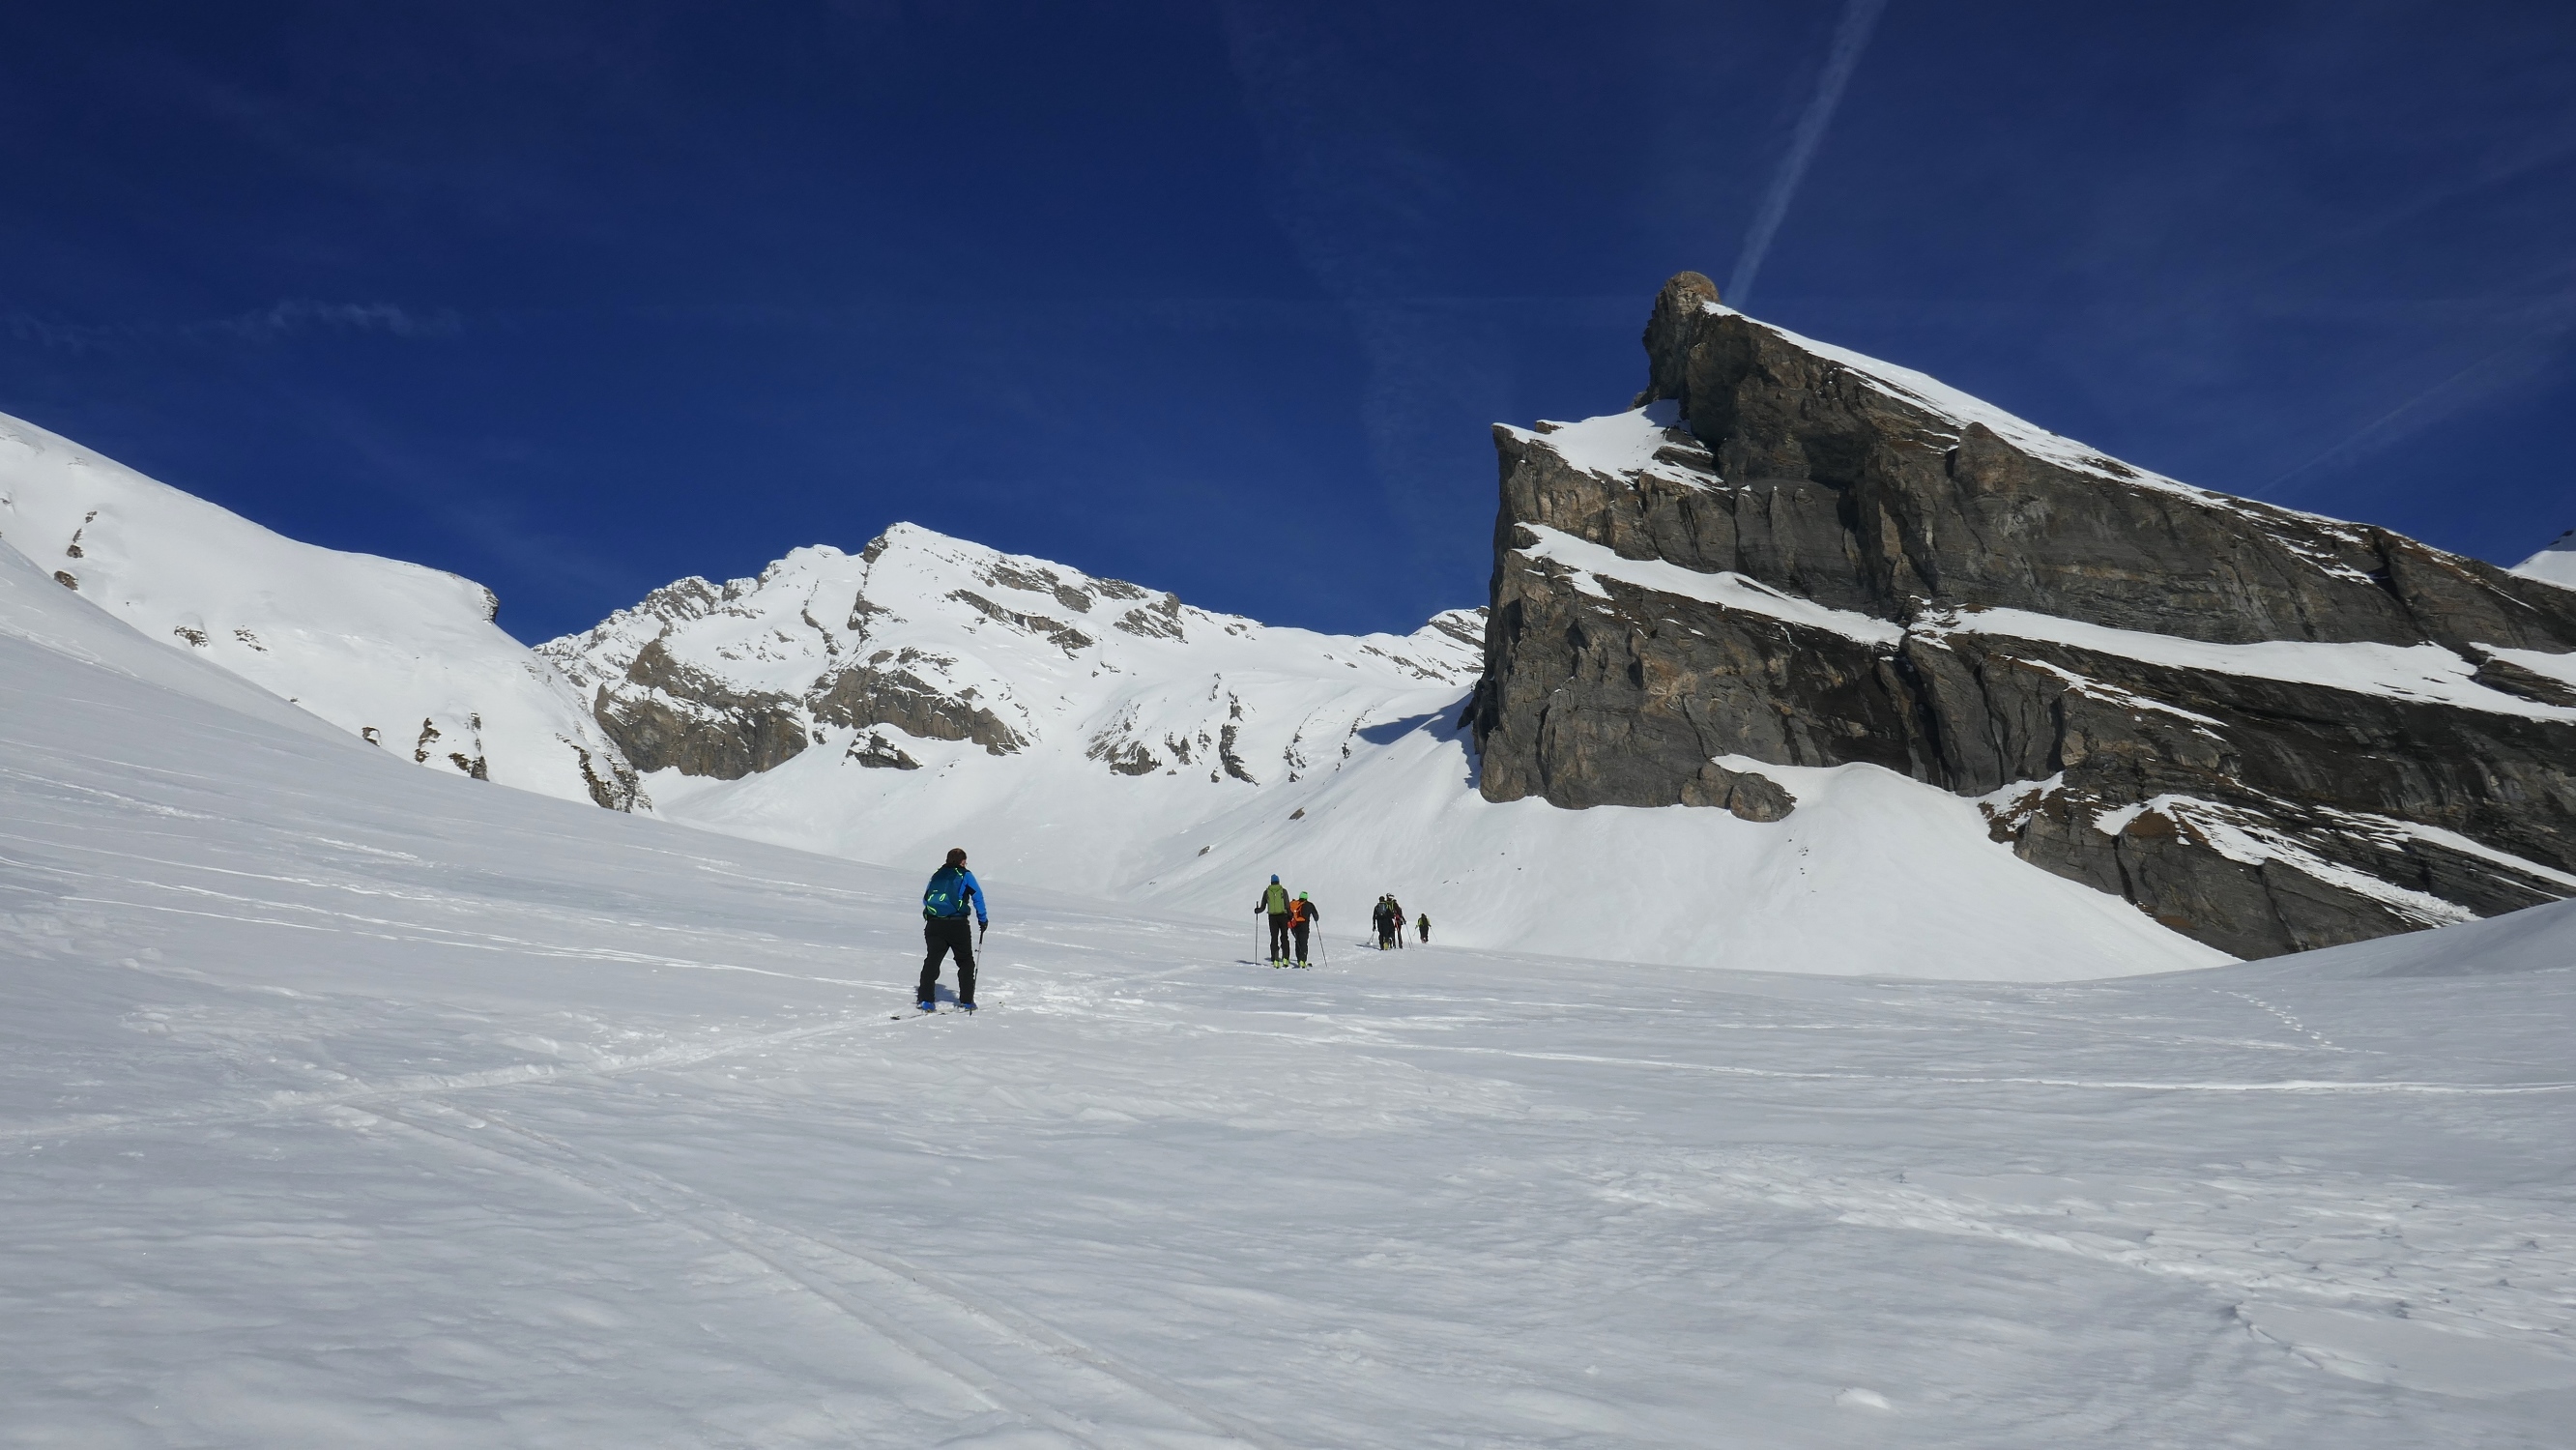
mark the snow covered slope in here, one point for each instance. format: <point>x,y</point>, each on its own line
<point>344,1103</point>
<point>401,655</point>
<point>2556,564</point>
<point>2536,939</point>
<point>1096,737</point>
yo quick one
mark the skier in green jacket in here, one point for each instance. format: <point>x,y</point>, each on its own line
<point>1274,902</point>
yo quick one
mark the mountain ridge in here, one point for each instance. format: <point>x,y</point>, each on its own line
<point>403,656</point>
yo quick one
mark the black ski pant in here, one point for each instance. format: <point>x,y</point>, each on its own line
<point>1300,930</point>
<point>945,934</point>
<point>1426,931</point>
<point>1278,935</point>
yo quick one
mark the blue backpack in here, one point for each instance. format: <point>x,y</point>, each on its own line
<point>947,894</point>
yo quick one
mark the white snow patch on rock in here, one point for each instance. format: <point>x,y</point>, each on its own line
<point>2424,672</point>
<point>1593,562</point>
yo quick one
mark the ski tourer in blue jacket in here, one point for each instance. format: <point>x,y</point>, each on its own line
<point>952,893</point>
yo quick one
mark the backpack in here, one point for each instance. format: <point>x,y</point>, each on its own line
<point>947,893</point>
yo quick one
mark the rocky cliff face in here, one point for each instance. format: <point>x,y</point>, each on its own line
<point>2268,729</point>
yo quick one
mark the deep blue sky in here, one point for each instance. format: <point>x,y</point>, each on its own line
<point>1220,297</point>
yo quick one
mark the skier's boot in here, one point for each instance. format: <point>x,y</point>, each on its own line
<point>965,1006</point>
<point>927,1006</point>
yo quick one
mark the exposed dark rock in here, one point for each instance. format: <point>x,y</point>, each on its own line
<point>1467,626</point>
<point>1225,751</point>
<point>2513,679</point>
<point>1158,620</point>
<point>1746,793</point>
<point>883,692</point>
<point>876,752</point>
<point>618,788</point>
<point>2256,814</point>
<point>1065,636</point>
<point>1132,761</point>
<point>665,715</point>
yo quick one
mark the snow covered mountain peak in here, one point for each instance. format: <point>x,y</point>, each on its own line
<point>404,656</point>
<point>943,640</point>
<point>2555,564</point>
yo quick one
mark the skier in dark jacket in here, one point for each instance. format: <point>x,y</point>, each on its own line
<point>1423,925</point>
<point>1301,916</point>
<point>952,893</point>
<point>1274,903</point>
<point>1394,919</point>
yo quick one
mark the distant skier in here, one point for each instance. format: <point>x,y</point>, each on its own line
<point>945,902</point>
<point>1423,925</point>
<point>1395,919</point>
<point>1302,915</point>
<point>1384,920</point>
<point>1274,903</point>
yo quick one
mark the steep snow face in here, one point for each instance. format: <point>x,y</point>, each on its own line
<point>402,656</point>
<point>2555,564</point>
<point>1090,735</point>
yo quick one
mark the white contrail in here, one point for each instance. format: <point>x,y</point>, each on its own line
<point>1850,37</point>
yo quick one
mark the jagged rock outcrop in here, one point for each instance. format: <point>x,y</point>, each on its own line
<point>2269,729</point>
<point>887,690</point>
<point>666,715</point>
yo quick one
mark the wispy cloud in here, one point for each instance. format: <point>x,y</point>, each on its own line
<point>1368,206</point>
<point>281,320</point>
<point>2534,333</point>
<point>1851,37</point>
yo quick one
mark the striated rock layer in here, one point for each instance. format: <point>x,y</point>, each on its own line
<point>2268,729</point>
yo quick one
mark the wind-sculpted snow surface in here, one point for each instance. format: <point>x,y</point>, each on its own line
<point>394,653</point>
<point>1089,735</point>
<point>342,1103</point>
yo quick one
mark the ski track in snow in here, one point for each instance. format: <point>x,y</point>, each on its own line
<point>345,1103</point>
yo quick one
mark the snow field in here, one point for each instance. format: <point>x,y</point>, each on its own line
<point>365,643</point>
<point>347,1103</point>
